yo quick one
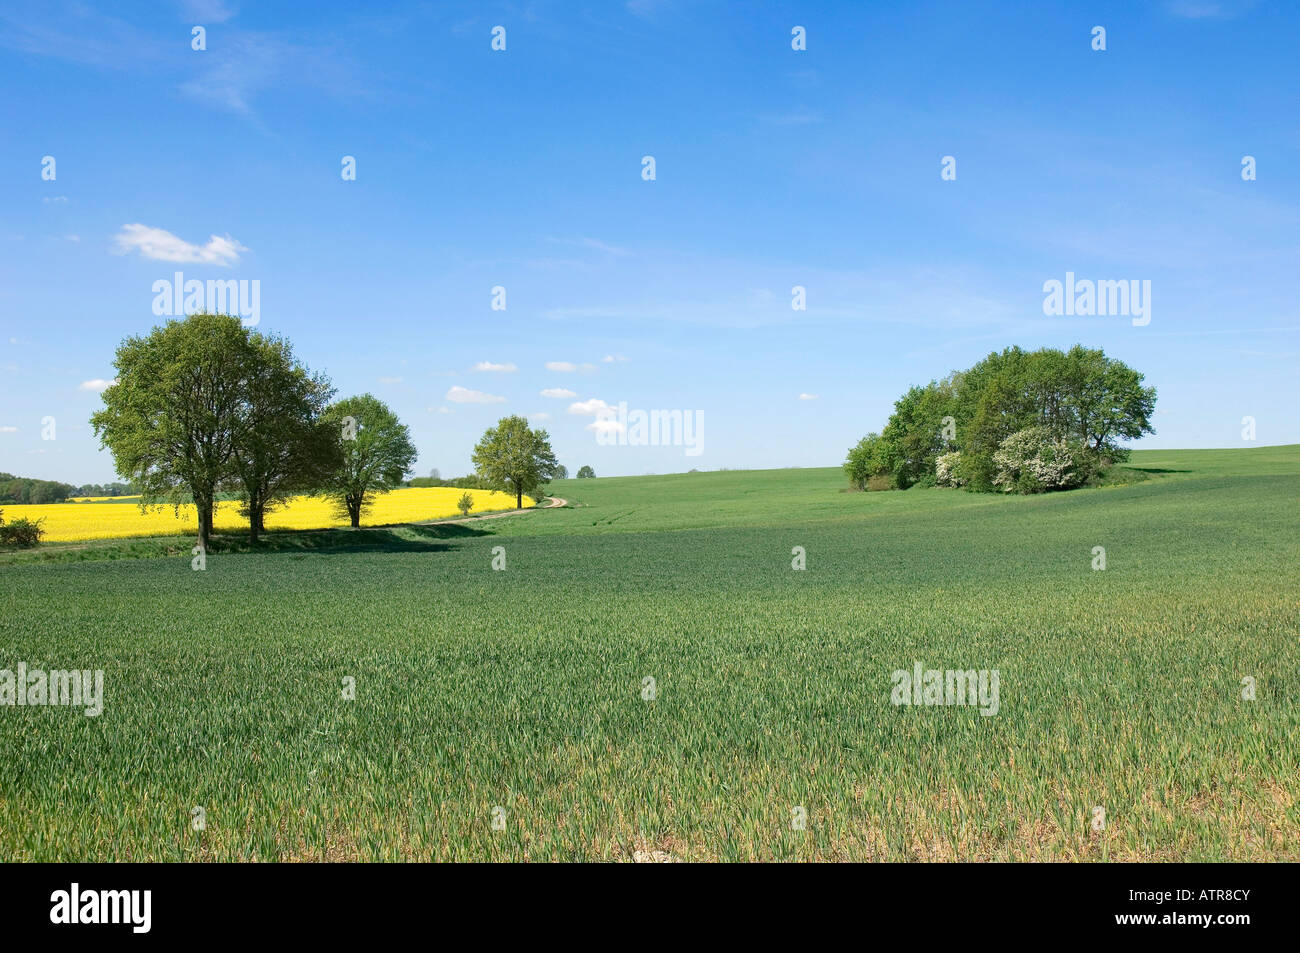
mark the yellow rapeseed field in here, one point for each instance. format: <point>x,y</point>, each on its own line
<point>70,522</point>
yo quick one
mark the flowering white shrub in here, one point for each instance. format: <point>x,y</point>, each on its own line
<point>945,469</point>
<point>1034,460</point>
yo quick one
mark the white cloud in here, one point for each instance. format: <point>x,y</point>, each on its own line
<point>55,200</point>
<point>568,366</point>
<point>593,406</point>
<point>489,366</point>
<point>605,426</point>
<point>8,429</point>
<point>542,415</point>
<point>807,396</point>
<point>161,245</point>
<point>97,385</point>
<point>612,358</point>
<point>560,392</point>
<point>463,395</point>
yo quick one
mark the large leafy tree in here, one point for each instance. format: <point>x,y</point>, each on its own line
<point>177,409</point>
<point>513,457</point>
<point>1078,398</point>
<point>375,450</point>
<point>285,445</point>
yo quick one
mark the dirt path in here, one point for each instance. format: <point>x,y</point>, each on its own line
<point>554,501</point>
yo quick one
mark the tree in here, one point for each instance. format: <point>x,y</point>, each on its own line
<point>465,503</point>
<point>586,473</point>
<point>870,457</point>
<point>561,472</point>
<point>512,457</point>
<point>284,446</point>
<point>175,413</point>
<point>1083,401</point>
<point>376,452</point>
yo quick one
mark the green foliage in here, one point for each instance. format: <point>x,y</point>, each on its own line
<point>561,472</point>
<point>871,457</point>
<point>176,412</point>
<point>376,452</point>
<point>465,503</point>
<point>20,490</point>
<point>105,489</point>
<point>21,532</point>
<point>586,473</point>
<point>286,447</point>
<point>514,458</point>
<point>1083,399</point>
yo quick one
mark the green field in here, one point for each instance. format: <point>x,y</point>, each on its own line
<point>522,689</point>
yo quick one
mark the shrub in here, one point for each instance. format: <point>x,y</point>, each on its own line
<point>465,503</point>
<point>21,532</point>
<point>881,481</point>
<point>869,458</point>
<point>947,469</point>
<point>1034,460</point>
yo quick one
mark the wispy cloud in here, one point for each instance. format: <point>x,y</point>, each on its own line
<point>591,407</point>
<point>595,244</point>
<point>1208,9</point>
<point>98,385</point>
<point>497,368</point>
<point>463,395</point>
<point>161,245</point>
<point>559,392</point>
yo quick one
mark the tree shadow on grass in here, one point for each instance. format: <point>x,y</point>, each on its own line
<point>1154,469</point>
<point>367,539</point>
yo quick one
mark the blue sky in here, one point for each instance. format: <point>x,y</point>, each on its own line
<point>774,168</point>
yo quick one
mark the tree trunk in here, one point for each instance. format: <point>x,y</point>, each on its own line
<point>254,520</point>
<point>519,499</point>
<point>354,511</point>
<point>205,522</point>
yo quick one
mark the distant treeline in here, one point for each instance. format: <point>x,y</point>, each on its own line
<point>24,490</point>
<point>471,482</point>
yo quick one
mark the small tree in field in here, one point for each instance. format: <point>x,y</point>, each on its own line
<point>376,450</point>
<point>465,503</point>
<point>586,473</point>
<point>514,458</point>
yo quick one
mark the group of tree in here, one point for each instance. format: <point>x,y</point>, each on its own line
<point>205,405</point>
<point>15,489</point>
<point>1018,421</point>
<point>105,489</point>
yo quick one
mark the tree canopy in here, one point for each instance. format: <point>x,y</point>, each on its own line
<point>1077,404</point>
<point>177,410</point>
<point>376,452</point>
<point>515,458</point>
